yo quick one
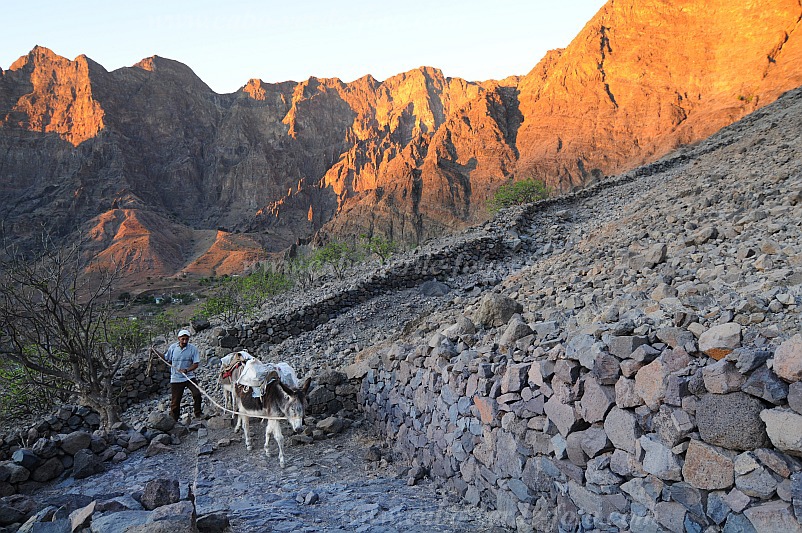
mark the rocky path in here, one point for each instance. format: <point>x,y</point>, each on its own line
<point>344,483</point>
<point>329,485</point>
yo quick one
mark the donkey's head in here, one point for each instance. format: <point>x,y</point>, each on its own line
<point>294,404</point>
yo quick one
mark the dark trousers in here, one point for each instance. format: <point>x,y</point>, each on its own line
<point>177,392</point>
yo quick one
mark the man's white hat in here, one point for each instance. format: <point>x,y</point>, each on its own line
<point>183,332</point>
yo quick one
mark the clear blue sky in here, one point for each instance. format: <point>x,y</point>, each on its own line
<point>228,43</point>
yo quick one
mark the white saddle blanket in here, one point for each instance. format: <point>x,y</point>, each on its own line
<point>254,373</point>
<point>226,360</point>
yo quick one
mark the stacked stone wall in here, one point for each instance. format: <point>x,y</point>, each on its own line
<point>620,430</point>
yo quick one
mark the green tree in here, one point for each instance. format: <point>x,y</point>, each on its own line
<point>338,257</point>
<point>303,270</point>
<point>382,247</point>
<point>239,296</point>
<point>518,193</point>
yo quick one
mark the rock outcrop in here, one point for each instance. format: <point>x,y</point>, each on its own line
<point>411,157</point>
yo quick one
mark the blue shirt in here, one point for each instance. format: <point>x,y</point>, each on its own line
<point>179,358</point>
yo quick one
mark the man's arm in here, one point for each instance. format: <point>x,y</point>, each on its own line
<point>161,356</point>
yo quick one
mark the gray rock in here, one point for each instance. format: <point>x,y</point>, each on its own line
<point>737,500</point>
<point>606,369</point>
<point>434,288</point>
<point>672,425</point>
<point>776,516</point>
<point>136,441</point>
<point>784,428</point>
<point>159,492</point>
<point>764,383</point>
<point>594,441</point>
<point>717,507</point>
<point>85,464</point>
<point>626,394</point>
<point>659,460</point>
<point>645,491</point>
<point>215,522</point>
<point>515,378</point>
<point>496,310</point>
<point>623,346</point>
<point>675,337</point>
<point>516,329</point>
<point>598,472</point>
<point>576,454</point>
<point>731,421</point>
<point>748,359</point>
<point>758,483</point>
<point>26,459</point>
<point>161,421</point>
<point>722,377</point>
<point>117,522</point>
<point>596,401</point>
<point>670,515</point>
<point>738,523</point>
<point>563,416</point>
<point>45,448</point>
<point>795,396</point>
<point>331,425</point>
<point>75,441</point>
<point>50,469</point>
<point>622,429</point>
<point>176,517</point>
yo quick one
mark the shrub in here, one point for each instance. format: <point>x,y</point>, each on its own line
<point>380,246</point>
<point>337,256</point>
<point>518,193</point>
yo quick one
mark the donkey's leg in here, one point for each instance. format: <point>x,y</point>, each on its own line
<point>239,421</point>
<point>275,427</point>
<point>246,430</point>
<point>267,437</point>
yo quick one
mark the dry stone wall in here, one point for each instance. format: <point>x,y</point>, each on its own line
<point>297,312</point>
<point>613,429</point>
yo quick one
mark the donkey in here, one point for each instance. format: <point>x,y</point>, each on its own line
<point>277,400</point>
<point>231,367</point>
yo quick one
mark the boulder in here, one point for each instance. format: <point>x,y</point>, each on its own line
<point>784,428</point>
<point>708,467</point>
<point>496,310</point>
<point>775,516</point>
<point>75,441</point>
<point>722,377</point>
<point>720,340</point>
<point>731,421</point>
<point>159,492</point>
<point>622,429</point>
<point>659,459</point>
<point>516,329</point>
<point>788,359</point>
<point>85,464</point>
<point>596,401</point>
<point>650,383</point>
<point>50,469</point>
<point>161,421</point>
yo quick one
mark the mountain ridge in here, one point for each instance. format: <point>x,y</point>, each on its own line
<point>411,157</point>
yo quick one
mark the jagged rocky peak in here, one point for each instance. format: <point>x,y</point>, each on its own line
<point>410,157</point>
<point>53,95</point>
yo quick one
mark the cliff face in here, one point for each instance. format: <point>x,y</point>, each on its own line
<point>645,77</point>
<point>411,157</point>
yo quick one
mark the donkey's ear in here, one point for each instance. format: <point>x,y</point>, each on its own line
<point>305,387</point>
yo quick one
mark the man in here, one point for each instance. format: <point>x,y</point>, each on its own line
<point>184,359</point>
